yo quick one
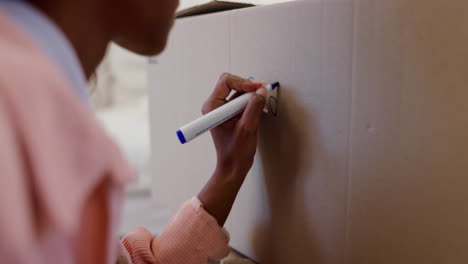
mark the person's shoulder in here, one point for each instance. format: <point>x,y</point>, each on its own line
<point>22,63</point>
<point>32,86</point>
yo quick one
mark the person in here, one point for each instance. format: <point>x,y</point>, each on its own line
<point>62,177</point>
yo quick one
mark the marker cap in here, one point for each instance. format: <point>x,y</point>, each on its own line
<point>181,137</point>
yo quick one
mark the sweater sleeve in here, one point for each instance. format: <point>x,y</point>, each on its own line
<point>193,236</point>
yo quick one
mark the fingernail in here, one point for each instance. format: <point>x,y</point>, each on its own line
<point>261,91</point>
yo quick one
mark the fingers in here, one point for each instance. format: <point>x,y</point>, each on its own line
<point>228,82</point>
<point>253,112</point>
<point>234,96</point>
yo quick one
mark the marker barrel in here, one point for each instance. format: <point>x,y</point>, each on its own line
<point>216,117</point>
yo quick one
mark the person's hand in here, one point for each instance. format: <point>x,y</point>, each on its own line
<point>236,140</point>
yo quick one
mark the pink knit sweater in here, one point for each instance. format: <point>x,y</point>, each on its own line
<point>53,155</point>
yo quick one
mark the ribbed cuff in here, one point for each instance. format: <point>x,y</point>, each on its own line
<point>138,245</point>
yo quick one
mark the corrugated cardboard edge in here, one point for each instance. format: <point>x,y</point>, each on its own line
<point>211,7</point>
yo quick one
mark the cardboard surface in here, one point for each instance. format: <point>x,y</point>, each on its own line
<point>367,161</point>
<point>409,152</point>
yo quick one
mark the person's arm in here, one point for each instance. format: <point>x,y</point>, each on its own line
<point>194,234</point>
<point>236,144</point>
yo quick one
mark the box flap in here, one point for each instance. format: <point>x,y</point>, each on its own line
<point>211,7</point>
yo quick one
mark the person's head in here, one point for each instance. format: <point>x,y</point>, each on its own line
<point>141,26</point>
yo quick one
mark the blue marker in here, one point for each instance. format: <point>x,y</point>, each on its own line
<point>220,115</point>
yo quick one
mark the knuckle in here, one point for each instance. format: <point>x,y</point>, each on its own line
<point>223,79</point>
<point>224,76</point>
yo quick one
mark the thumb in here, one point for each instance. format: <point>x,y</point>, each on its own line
<point>254,110</point>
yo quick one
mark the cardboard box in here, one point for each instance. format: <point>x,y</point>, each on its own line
<point>207,7</point>
<point>367,161</point>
